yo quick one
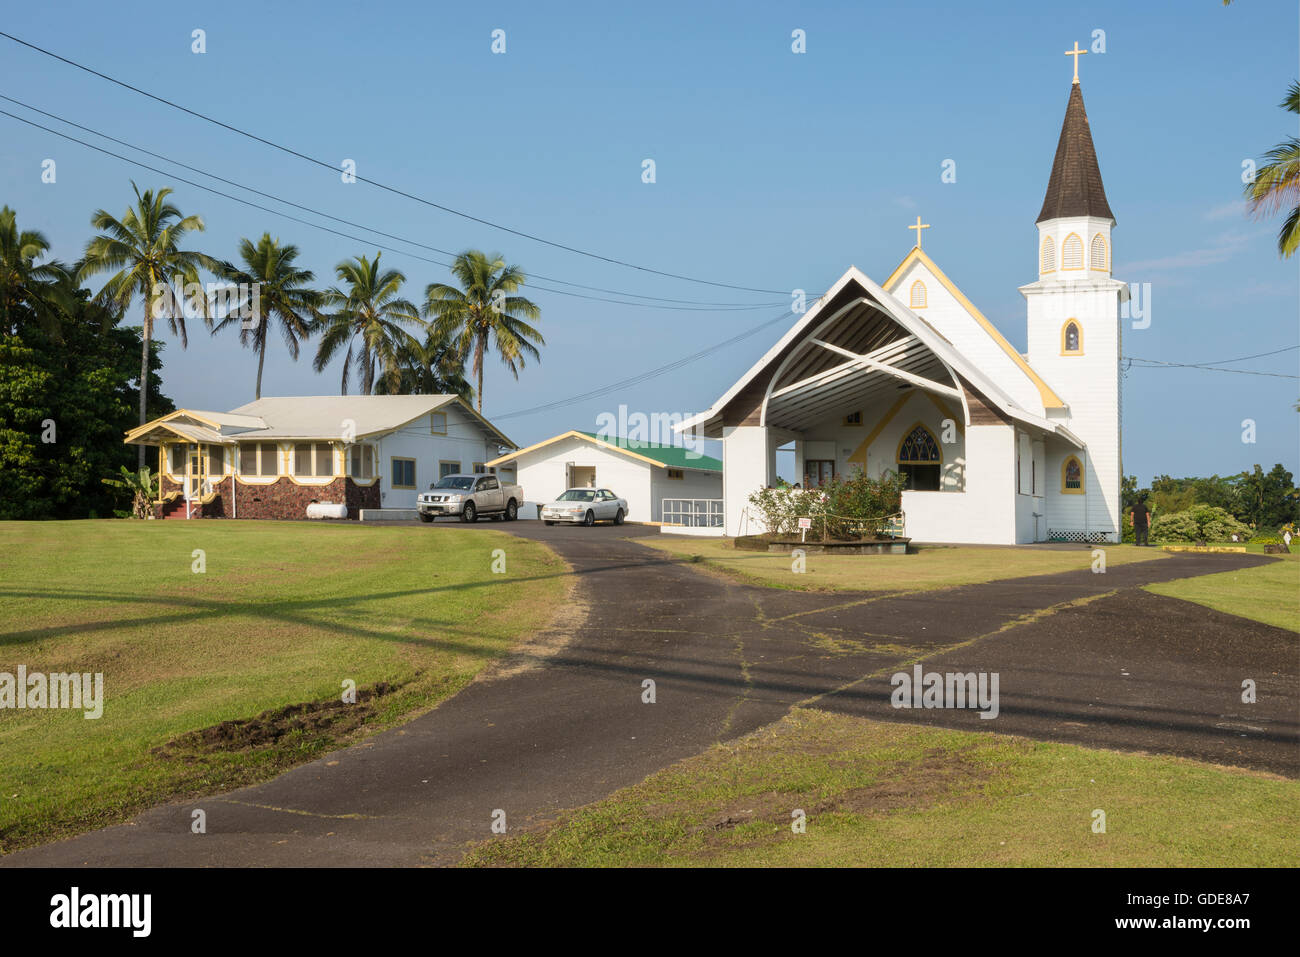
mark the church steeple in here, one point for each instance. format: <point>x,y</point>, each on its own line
<point>1074,188</point>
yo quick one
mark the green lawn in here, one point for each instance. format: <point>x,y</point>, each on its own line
<point>932,566</point>
<point>1268,593</point>
<point>284,614</point>
<point>883,794</point>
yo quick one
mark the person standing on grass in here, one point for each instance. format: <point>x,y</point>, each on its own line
<point>1141,521</point>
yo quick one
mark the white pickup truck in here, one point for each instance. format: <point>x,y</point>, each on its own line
<point>469,496</point>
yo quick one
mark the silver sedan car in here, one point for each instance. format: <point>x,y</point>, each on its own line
<point>586,506</point>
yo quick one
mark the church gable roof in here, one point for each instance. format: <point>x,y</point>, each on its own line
<point>892,285</point>
<point>854,297</point>
<point>1075,187</point>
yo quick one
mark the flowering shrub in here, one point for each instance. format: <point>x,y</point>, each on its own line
<point>859,506</point>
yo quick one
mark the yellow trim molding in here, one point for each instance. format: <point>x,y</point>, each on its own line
<point>903,438</point>
<point>1050,399</point>
<point>1078,329</point>
<point>239,453</point>
<point>916,295</point>
<point>1082,477</point>
<point>292,450</point>
<point>1065,248</point>
<point>415,480</point>
<point>1105,253</point>
<point>576,435</point>
<point>859,456</point>
<point>161,420</point>
<point>373,449</point>
<point>947,414</point>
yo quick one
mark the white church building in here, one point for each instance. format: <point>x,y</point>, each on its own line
<point>908,376</point>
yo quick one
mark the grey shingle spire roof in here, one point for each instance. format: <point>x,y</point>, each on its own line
<point>1075,188</point>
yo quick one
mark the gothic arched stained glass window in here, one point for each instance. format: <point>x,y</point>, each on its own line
<point>919,461</point>
<point>918,448</point>
<point>1072,476</point>
<point>1070,338</point>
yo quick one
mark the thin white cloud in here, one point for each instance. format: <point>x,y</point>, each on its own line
<point>1223,248</point>
<point>1237,209</point>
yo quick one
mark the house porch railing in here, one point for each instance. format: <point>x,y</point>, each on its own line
<point>692,512</point>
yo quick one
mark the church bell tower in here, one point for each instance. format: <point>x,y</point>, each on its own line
<point>1074,334</point>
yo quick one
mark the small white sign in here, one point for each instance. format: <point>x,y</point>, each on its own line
<point>805,523</point>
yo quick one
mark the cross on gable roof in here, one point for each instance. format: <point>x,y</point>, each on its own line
<point>855,344</point>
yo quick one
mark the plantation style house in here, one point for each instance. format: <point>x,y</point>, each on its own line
<point>274,457</point>
<point>909,377</point>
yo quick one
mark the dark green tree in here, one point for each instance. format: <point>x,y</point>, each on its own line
<point>1269,499</point>
<point>66,399</point>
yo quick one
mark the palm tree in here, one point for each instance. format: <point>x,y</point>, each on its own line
<point>42,287</point>
<point>144,247</point>
<point>483,309</point>
<point>369,317</point>
<point>283,293</point>
<point>430,368</point>
<point>1277,183</point>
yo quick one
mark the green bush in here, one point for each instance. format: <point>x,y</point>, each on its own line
<point>1201,523</point>
<point>779,508</point>
<point>859,506</point>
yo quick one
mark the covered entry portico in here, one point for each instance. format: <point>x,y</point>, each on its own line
<point>193,460</point>
<point>861,383</point>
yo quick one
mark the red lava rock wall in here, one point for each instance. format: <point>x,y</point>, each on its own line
<point>282,499</point>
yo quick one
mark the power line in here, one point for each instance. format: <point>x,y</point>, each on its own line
<point>644,376</point>
<point>1147,363</point>
<point>596,393</point>
<point>1157,364</point>
<point>391,189</point>
<point>721,306</point>
<point>1258,355</point>
<point>359,239</point>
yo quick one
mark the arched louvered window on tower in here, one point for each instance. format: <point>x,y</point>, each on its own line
<point>1047,255</point>
<point>917,298</point>
<point>1097,257</point>
<point>919,460</point>
<point>1072,252</point>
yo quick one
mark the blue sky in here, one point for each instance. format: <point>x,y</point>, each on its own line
<point>774,171</point>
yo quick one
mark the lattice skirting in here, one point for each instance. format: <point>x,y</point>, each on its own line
<point>1077,535</point>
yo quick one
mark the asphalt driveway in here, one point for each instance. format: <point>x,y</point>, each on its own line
<point>1129,670</point>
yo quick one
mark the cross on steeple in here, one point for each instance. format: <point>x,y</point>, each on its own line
<point>918,227</point>
<point>1076,53</point>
